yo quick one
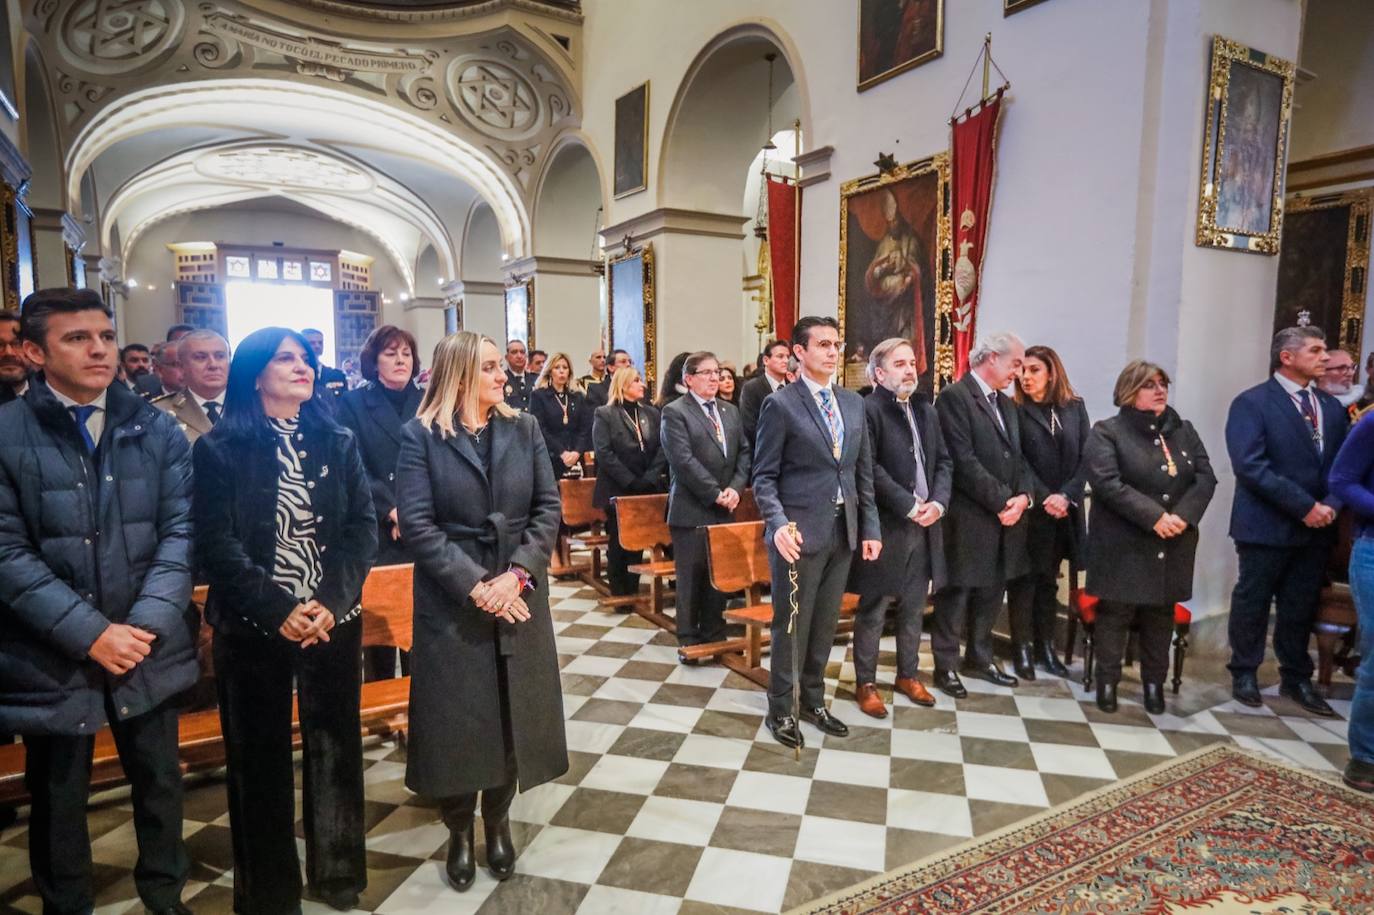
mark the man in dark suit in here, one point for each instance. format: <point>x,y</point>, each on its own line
<point>985,531</point>
<point>813,469</point>
<point>912,476</point>
<point>1282,436</point>
<point>598,392</point>
<point>709,459</point>
<point>332,382</point>
<point>773,362</point>
<point>519,382</point>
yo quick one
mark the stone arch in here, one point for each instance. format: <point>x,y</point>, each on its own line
<point>570,191</point>
<point>42,142</point>
<point>702,141</point>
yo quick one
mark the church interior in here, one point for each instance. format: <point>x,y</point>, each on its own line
<point>663,177</point>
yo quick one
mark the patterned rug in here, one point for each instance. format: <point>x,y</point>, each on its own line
<point>1216,831</point>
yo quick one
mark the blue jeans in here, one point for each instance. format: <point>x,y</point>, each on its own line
<point>1361,734</point>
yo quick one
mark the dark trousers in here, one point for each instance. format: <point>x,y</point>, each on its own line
<point>1292,578</point>
<point>255,676</point>
<point>1154,629</point>
<point>957,608</point>
<point>458,810</point>
<point>868,629</point>
<point>699,606</point>
<point>618,559</point>
<point>379,663</point>
<point>58,777</point>
<point>1033,608</point>
<point>821,578</point>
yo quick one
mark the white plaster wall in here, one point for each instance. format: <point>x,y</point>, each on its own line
<point>50,255</point>
<point>566,315</point>
<point>485,314</point>
<point>1337,108</point>
<point>147,313</point>
<point>427,326</point>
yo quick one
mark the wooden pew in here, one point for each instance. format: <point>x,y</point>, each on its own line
<point>738,561</point>
<point>387,620</point>
<point>582,523</point>
<point>642,522</point>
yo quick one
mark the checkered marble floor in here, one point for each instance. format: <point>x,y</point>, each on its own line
<point>678,801</point>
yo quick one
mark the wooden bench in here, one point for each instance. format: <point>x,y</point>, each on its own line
<point>738,561</point>
<point>642,524</point>
<point>386,619</point>
<point>583,525</point>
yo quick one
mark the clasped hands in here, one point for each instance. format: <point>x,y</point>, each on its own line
<point>308,623</point>
<point>1056,506</point>
<point>1319,515</point>
<point>501,598</point>
<point>1170,525</point>
<point>1012,511</point>
<point>728,499</point>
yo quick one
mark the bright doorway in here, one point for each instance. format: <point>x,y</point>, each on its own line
<point>250,306</point>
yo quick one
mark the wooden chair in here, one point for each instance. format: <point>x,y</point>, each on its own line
<point>738,561</point>
<point>642,524</point>
<point>582,524</point>
<point>1083,607</point>
<point>388,620</point>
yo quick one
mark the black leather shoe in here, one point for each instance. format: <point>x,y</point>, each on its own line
<point>1154,698</point>
<point>989,672</point>
<point>785,731</point>
<point>1305,694</point>
<point>461,866</point>
<point>339,900</point>
<point>1021,662</point>
<point>948,682</point>
<point>1048,661</point>
<point>1245,690</point>
<point>1106,696</point>
<point>827,722</point>
<point>500,848</point>
<point>1359,775</point>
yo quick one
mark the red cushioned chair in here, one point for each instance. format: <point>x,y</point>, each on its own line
<point>1083,610</point>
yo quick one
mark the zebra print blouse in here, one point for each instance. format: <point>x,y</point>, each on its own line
<point>296,565</point>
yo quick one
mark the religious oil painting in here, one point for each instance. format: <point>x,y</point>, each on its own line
<point>896,35</point>
<point>1324,266</point>
<point>630,307</point>
<point>1249,101</point>
<point>520,312</point>
<point>895,265</point>
<point>632,141</point>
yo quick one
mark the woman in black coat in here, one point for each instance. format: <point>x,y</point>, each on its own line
<point>564,415</point>
<point>1054,428</point>
<point>1151,482</point>
<point>375,413</point>
<point>630,462</point>
<point>479,507</point>
<point>285,533</point>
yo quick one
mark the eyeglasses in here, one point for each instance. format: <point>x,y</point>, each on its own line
<point>836,345</point>
<point>707,373</point>
<point>1154,385</point>
<point>1341,369</point>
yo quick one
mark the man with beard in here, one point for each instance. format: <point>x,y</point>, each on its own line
<point>1339,378</point>
<point>136,361</point>
<point>14,370</point>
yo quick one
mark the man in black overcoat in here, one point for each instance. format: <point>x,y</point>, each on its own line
<point>985,533</point>
<point>912,478</point>
<point>813,470</point>
<point>709,459</point>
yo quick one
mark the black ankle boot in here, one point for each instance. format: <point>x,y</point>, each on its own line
<point>1106,696</point>
<point>1049,661</point>
<point>462,859</point>
<point>1021,662</point>
<point>1154,698</point>
<point>500,848</point>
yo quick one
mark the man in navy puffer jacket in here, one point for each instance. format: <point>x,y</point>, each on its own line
<point>95,585</point>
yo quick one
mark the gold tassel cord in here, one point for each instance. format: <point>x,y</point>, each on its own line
<point>795,589</point>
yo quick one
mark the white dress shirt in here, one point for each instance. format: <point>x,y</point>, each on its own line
<point>1291,388</point>
<point>95,423</point>
<point>713,414</point>
<point>987,390</point>
<point>815,390</point>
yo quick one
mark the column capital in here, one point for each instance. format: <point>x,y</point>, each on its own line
<point>673,221</point>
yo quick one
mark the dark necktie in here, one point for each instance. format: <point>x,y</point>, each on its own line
<point>992,402</point>
<point>212,410</point>
<point>81,414</point>
<point>710,406</point>
<point>1309,414</point>
<point>922,489</point>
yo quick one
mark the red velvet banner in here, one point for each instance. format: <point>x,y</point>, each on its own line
<point>784,203</point>
<point>973,161</point>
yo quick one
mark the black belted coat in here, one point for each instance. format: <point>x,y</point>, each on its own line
<point>465,523</point>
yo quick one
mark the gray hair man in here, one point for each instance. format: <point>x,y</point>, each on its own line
<point>985,529</point>
<point>203,356</point>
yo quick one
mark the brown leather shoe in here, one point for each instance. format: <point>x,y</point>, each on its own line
<point>870,703</point>
<point>915,691</point>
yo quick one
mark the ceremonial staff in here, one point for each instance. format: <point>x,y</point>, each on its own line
<point>791,631</point>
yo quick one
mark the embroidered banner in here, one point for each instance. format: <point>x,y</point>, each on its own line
<point>784,212</point>
<point>973,162</point>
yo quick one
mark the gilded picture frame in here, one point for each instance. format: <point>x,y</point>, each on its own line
<point>1245,144</point>
<point>632,142</point>
<point>631,324</point>
<point>1324,266</point>
<point>520,311</point>
<point>898,216</point>
<point>895,37</point>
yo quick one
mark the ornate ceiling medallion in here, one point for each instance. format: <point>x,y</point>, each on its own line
<point>489,94</point>
<point>116,36</point>
<point>284,167</point>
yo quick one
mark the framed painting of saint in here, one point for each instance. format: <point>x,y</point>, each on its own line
<point>896,35</point>
<point>895,268</point>
<point>632,141</point>
<point>520,312</point>
<point>1324,266</point>
<point>630,307</point>
<point>1249,103</point>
